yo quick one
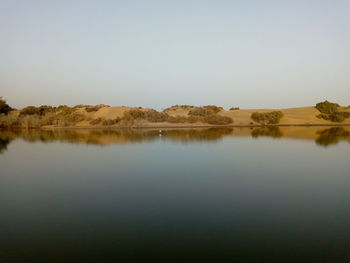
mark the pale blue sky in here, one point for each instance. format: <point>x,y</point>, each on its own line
<point>251,54</point>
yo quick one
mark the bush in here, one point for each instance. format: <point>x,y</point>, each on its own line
<point>205,110</point>
<point>200,111</point>
<point>134,114</point>
<point>174,107</point>
<point>41,111</point>
<point>9,120</point>
<point>329,111</point>
<point>195,119</point>
<point>272,117</point>
<point>111,122</point>
<point>4,107</point>
<point>94,108</point>
<point>218,120</point>
<point>327,107</point>
<point>214,109</point>
<point>234,108</point>
<point>177,119</point>
<point>155,116</point>
<point>149,115</point>
<point>30,110</point>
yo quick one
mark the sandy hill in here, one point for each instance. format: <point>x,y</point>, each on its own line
<point>242,117</point>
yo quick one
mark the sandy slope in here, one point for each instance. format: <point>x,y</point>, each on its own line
<point>298,116</point>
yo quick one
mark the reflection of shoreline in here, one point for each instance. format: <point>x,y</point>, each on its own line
<point>274,132</point>
<point>332,136</point>
<point>323,137</point>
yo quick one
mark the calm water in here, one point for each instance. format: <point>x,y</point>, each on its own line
<point>209,195</point>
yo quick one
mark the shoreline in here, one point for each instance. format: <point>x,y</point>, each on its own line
<point>170,127</point>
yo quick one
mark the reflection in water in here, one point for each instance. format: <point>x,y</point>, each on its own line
<point>104,137</point>
<point>176,197</point>
<point>3,144</point>
<point>332,136</point>
<point>274,132</point>
<point>323,137</point>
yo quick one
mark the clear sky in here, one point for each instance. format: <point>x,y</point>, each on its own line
<point>156,53</point>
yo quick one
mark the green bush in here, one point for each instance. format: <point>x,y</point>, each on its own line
<point>339,116</point>
<point>272,117</point>
<point>327,107</point>
<point>4,107</point>
<point>234,108</point>
<point>329,111</point>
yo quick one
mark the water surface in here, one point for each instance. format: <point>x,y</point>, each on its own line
<point>201,195</point>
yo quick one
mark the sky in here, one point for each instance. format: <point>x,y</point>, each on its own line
<point>157,53</point>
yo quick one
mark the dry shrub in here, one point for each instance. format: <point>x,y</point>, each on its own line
<point>272,117</point>
<point>149,115</point>
<point>327,107</point>
<point>205,110</point>
<point>111,122</point>
<point>329,111</point>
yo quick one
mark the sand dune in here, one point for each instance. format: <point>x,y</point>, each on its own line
<point>292,116</point>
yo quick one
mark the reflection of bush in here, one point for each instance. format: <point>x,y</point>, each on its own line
<point>211,134</point>
<point>3,144</point>
<point>102,137</point>
<point>274,132</point>
<point>332,136</point>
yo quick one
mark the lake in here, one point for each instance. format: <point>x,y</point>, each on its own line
<point>185,195</point>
